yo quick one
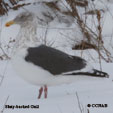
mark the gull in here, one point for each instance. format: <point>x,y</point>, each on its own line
<point>43,65</point>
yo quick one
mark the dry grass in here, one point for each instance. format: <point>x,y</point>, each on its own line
<point>94,40</point>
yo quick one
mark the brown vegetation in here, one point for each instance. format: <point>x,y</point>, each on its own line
<point>91,39</point>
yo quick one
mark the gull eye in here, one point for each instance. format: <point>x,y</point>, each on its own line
<point>22,17</point>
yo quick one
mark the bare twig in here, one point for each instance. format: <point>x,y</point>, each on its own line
<point>79,105</point>
<point>4,73</point>
<point>2,111</point>
<point>2,78</point>
<point>100,42</point>
<point>74,13</point>
<point>88,111</point>
<point>45,37</point>
<point>4,53</point>
<point>59,108</point>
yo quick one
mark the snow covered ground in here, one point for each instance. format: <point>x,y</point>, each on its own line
<point>61,99</point>
<point>66,98</point>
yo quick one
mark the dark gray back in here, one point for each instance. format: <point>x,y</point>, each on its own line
<point>53,60</point>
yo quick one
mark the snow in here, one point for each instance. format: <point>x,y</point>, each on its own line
<point>61,98</point>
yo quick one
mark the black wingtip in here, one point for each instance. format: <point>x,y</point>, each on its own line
<point>101,73</point>
<point>95,73</point>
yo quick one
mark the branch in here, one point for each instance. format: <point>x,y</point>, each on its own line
<point>4,105</point>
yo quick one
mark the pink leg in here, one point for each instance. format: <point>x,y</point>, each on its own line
<point>40,92</point>
<point>45,91</point>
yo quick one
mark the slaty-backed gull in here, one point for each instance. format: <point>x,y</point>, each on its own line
<point>43,65</point>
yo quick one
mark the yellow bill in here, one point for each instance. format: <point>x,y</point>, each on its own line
<point>9,23</point>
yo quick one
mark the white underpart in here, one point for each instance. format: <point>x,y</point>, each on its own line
<point>29,71</point>
<point>38,76</point>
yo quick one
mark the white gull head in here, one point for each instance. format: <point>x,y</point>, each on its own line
<point>27,36</point>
